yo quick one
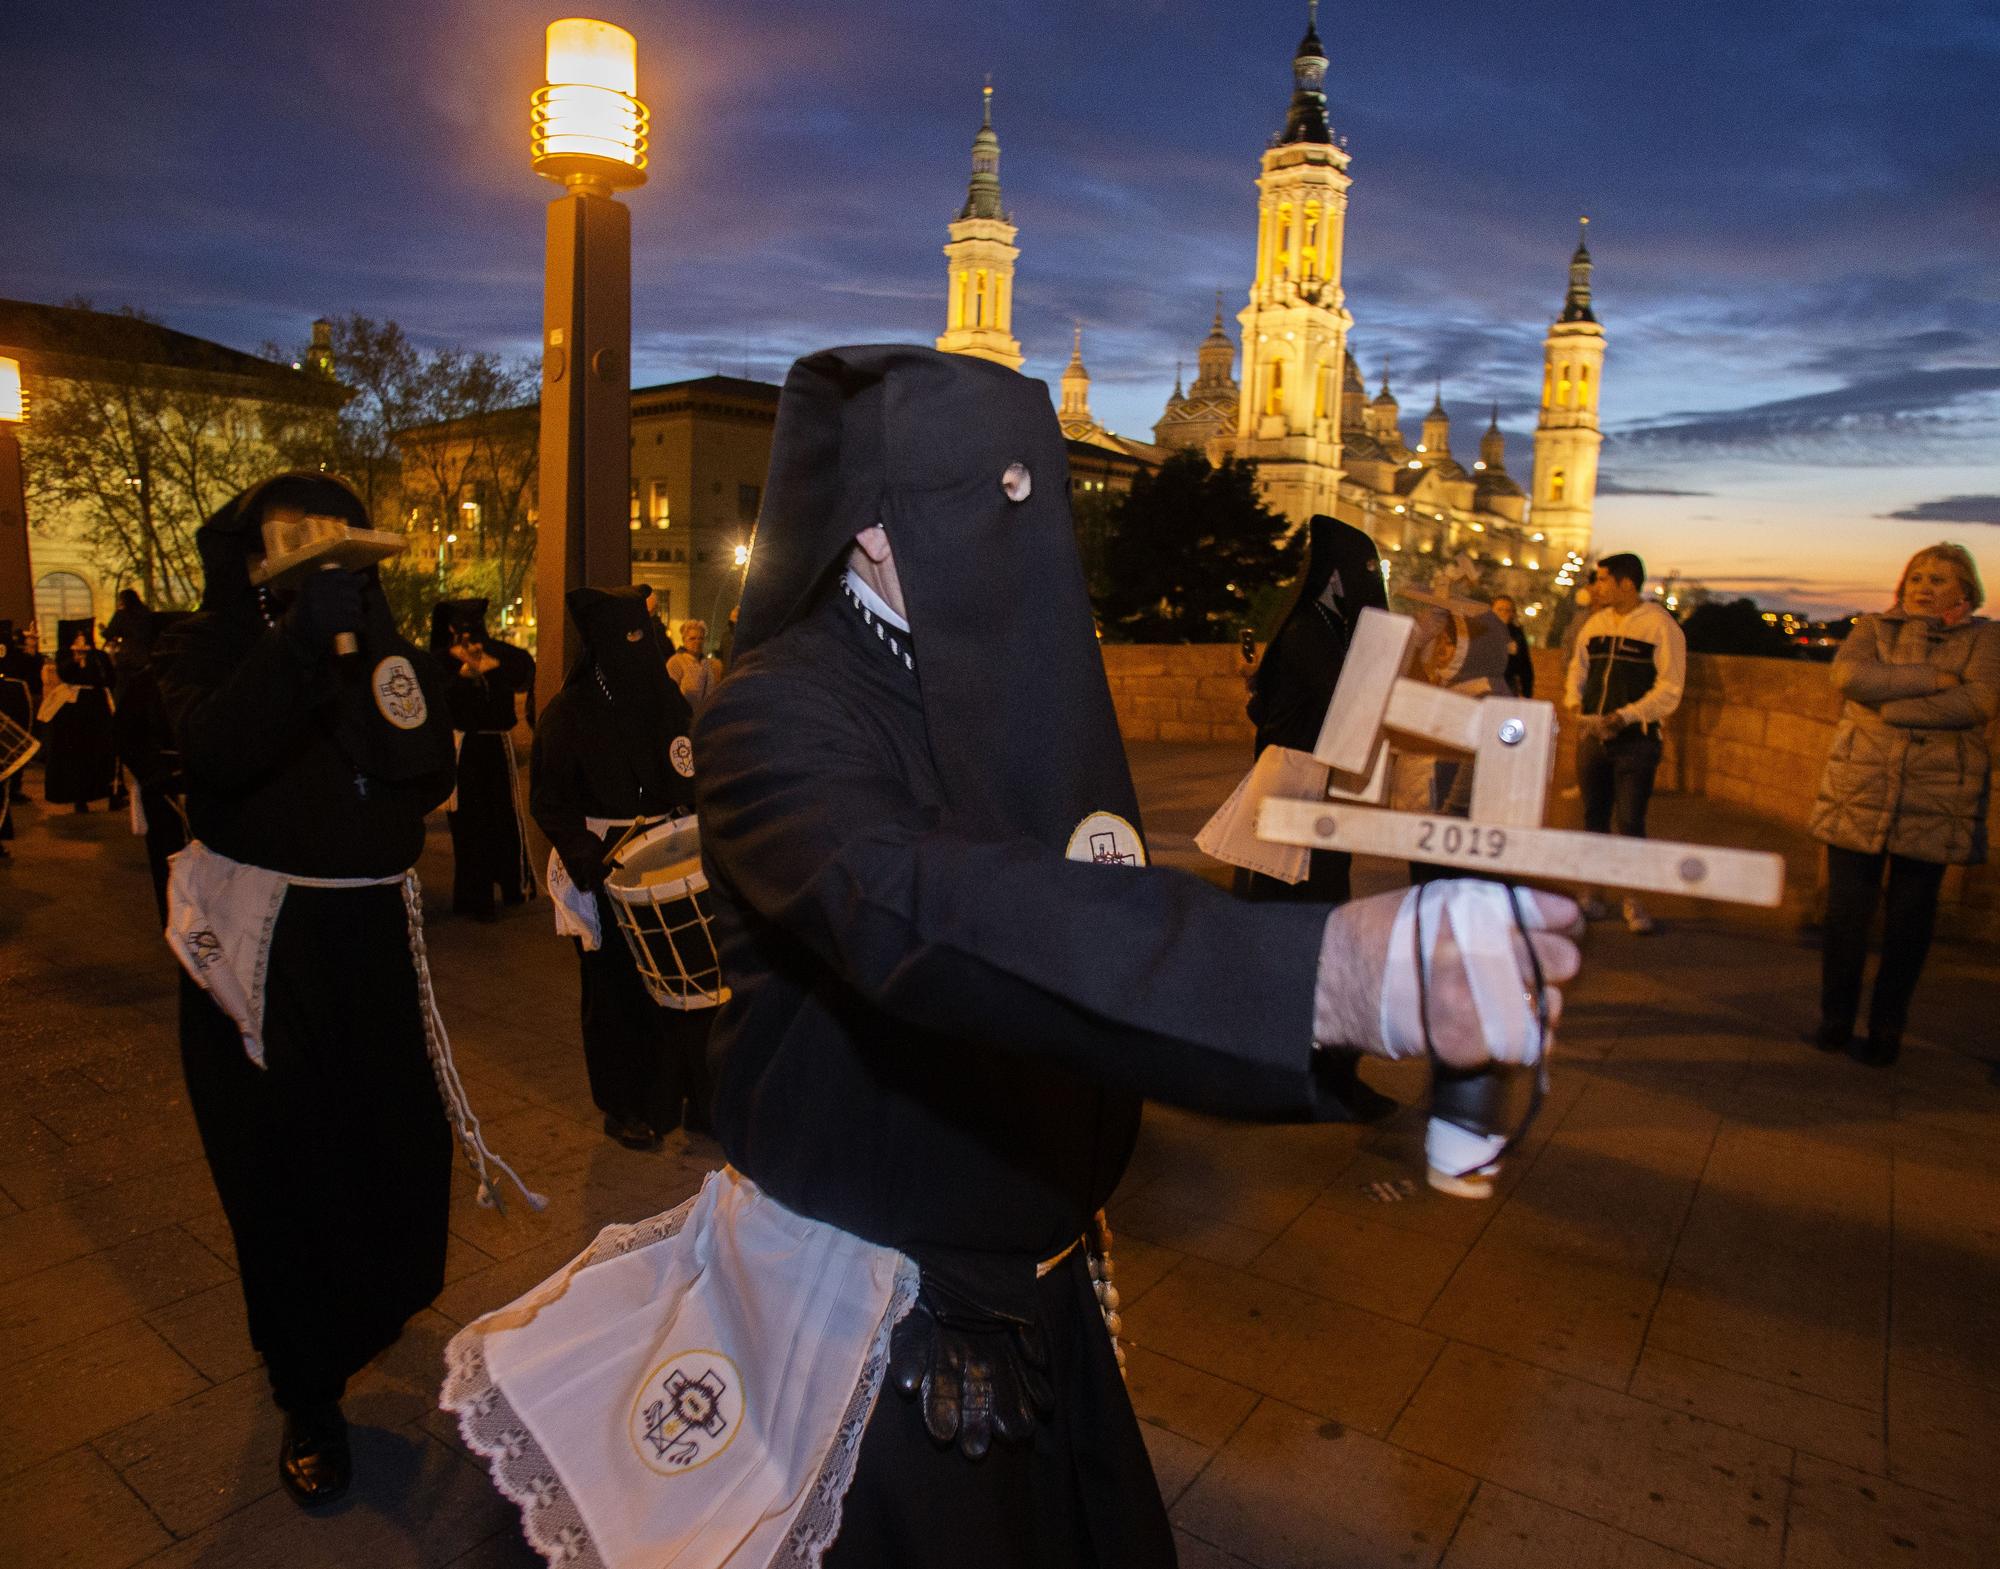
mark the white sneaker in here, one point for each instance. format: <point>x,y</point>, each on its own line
<point>1637,920</point>
<point>1593,908</point>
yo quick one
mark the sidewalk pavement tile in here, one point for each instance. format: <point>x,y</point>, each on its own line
<point>1323,1356</point>
<point>1197,1554</point>
<point>1842,1519</point>
<point>1850,1435</point>
<point>65,1396</point>
<point>210,1330</point>
<point>35,1239</point>
<point>1943,1435</point>
<point>1783,1269</point>
<point>1184,1400</point>
<point>72,1300</point>
<point>43,1509</point>
<point>1177,1461</point>
<point>1169,1226</point>
<point>1689,1485</point>
<point>196,1462</point>
<point>1362,1261</point>
<point>1293,1491</point>
<point>1504,1530</point>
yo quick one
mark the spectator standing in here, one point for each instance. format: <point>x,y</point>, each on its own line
<point>1905,789</point>
<point>1520,672</point>
<point>694,670</point>
<point>1625,680</point>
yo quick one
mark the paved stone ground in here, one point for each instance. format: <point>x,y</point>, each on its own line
<point>1737,1304</point>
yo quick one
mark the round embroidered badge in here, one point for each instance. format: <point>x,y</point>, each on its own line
<point>398,694</point>
<point>1108,840</point>
<point>682,753</point>
<point>687,1411</point>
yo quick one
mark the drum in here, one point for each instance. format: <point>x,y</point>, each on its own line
<point>659,894</point>
<point>16,747</point>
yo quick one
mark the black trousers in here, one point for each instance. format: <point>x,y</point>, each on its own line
<point>486,848</point>
<point>1854,885</point>
<point>333,1161</point>
<point>645,1062</point>
<point>1615,775</point>
<point>1079,1495</point>
<point>1329,880</point>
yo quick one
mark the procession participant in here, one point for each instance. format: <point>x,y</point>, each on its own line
<point>314,1054</point>
<point>146,750</point>
<point>20,687</point>
<point>953,979</point>
<point>612,753</point>
<point>489,842</point>
<point>80,765</point>
<point>1289,690</point>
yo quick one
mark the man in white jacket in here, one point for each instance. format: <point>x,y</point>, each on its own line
<point>1626,677</point>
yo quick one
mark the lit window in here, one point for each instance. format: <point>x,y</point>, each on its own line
<point>661,512</point>
<point>1558,485</point>
<point>634,522</point>
<point>1274,398</point>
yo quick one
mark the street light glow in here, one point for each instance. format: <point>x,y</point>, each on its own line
<point>13,402</point>
<point>587,127</point>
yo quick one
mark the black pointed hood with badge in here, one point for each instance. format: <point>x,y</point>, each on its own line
<point>963,464</point>
<point>1295,679</point>
<point>639,717</point>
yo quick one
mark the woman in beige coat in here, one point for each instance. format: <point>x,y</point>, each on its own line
<point>1906,787</point>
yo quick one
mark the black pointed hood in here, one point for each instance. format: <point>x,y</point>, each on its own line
<point>452,616</point>
<point>1333,549</point>
<point>1013,690</point>
<point>232,537</point>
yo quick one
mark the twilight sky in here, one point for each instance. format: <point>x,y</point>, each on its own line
<point>1795,211</point>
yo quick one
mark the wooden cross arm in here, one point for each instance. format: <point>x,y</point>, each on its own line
<point>1607,860</point>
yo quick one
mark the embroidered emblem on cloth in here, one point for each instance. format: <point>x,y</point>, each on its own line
<point>398,695</point>
<point>1106,839</point>
<point>687,1411</point>
<point>682,753</point>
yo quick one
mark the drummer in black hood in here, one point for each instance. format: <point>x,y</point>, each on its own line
<point>954,976</point>
<point>612,753</point>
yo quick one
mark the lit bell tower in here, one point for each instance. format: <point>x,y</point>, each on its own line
<point>979,310</point>
<point>1295,326</point>
<point>1567,437</point>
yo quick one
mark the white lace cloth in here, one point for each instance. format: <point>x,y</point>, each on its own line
<point>690,1391</point>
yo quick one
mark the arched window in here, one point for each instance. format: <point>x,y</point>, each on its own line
<point>1284,239</point>
<point>59,596</point>
<point>981,307</point>
<point>1274,396</point>
<point>1558,485</point>
<point>1548,386</point>
<point>964,300</point>
<point>1563,388</point>
<point>1309,252</point>
<point>1583,386</point>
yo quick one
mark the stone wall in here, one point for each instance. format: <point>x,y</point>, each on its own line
<point>1751,732</point>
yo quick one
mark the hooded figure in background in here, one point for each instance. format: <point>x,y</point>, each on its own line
<point>20,696</point>
<point>308,774</point>
<point>147,752</point>
<point>488,836</point>
<point>611,754</point>
<point>80,762</point>
<point>1289,693</point>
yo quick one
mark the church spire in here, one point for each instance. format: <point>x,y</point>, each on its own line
<point>1493,445</point>
<point>982,196</point>
<point>1306,121</point>
<point>1073,414</point>
<point>1576,304</point>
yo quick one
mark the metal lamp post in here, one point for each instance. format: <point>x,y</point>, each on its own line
<point>589,135</point>
<point>17,577</point>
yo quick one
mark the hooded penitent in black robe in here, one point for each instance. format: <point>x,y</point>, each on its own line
<point>488,847</point>
<point>612,744</point>
<point>333,1161</point>
<point>80,762</point>
<point>146,749</point>
<point>20,695</point>
<point>1301,666</point>
<point>944,1016</point>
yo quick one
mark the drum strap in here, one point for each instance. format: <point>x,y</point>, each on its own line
<point>221,915</point>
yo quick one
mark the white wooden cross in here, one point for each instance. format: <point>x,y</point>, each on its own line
<point>1512,742</point>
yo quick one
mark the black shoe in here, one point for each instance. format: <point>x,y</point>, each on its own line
<point>632,1133</point>
<point>314,1461</point>
<point>1831,1037</point>
<point>1877,1051</point>
<point>1340,1072</point>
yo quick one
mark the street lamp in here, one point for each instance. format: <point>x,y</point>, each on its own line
<point>588,134</point>
<point>17,578</point>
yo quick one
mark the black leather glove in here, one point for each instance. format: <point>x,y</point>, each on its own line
<point>326,604</point>
<point>583,858</point>
<point>980,1372</point>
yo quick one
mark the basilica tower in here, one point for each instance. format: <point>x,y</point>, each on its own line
<point>1567,436</point>
<point>1295,326</point>
<point>979,308</point>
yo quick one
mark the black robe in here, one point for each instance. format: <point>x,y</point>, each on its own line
<point>146,749</point>
<point>333,1161</point>
<point>80,762</point>
<point>591,758</point>
<point>938,1040</point>
<point>486,841</point>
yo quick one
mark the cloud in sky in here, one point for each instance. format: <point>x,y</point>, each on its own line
<point>1609,486</point>
<point>1953,509</point>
